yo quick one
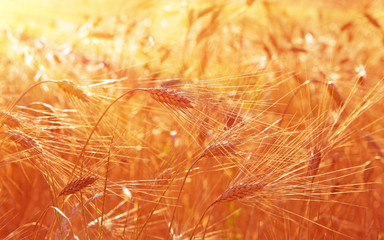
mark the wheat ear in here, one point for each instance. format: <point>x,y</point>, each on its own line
<point>241,191</point>
<point>232,118</point>
<point>314,163</point>
<point>9,119</point>
<point>220,149</point>
<point>332,90</point>
<point>165,176</point>
<point>22,139</point>
<point>170,97</point>
<point>77,185</point>
<point>69,87</point>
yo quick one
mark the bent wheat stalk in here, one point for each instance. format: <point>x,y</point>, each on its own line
<point>79,158</point>
<point>26,91</point>
<point>331,88</point>
<point>224,148</point>
<point>233,193</point>
<point>162,95</point>
<point>59,212</point>
<point>66,85</point>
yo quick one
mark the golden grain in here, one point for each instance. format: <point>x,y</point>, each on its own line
<point>69,87</point>
<point>9,120</point>
<point>77,185</point>
<point>22,139</point>
<point>241,191</point>
<point>170,97</point>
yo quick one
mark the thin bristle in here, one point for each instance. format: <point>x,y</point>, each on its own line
<point>77,185</point>
<point>70,88</point>
<point>241,191</point>
<point>170,97</point>
<point>9,120</point>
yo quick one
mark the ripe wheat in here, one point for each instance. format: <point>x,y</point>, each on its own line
<point>241,191</point>
<point>9,119</point>
<point>77,185</point>
<point>170,97</point>
<point>23,140</point>
<point>69,87</point>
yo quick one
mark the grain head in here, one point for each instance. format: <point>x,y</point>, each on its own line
<point>25,141</point>
<point>9,120</point>
<point>241,191</point>
<point>77,185</point>
<point>71,88</point>
<point>170,97</point>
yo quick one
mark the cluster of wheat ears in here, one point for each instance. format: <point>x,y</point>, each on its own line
<point>259,136</point>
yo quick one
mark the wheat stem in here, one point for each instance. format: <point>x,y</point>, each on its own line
<point>79,158</point>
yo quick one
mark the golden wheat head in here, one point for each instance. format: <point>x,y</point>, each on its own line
<point>314,162</point>
<point>9,120</point>
<point>220,149</point>
<point>25,141</point>
<point>69,87</point>
<point>77,185</point>
<point>241,191</point>
<point>170,97</point>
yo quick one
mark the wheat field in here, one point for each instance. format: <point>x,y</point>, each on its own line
<point>188,119</point>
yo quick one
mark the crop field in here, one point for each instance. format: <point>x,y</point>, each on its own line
<point>191,119</point>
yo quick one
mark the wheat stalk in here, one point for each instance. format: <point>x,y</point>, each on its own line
<point>77,185</point>
<point>217,149</point>
<point>233,193</point>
